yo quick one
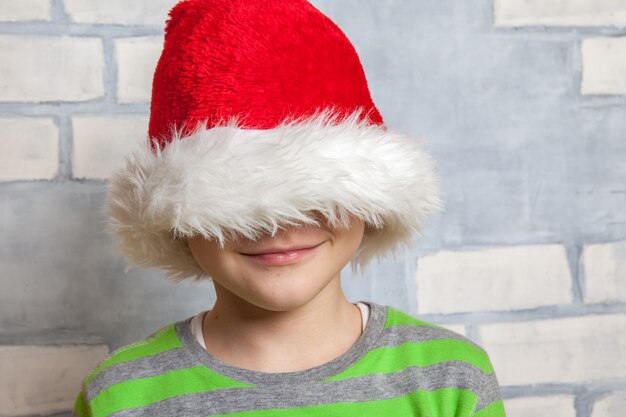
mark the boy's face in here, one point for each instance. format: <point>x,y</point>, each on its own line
<point>250,271</point>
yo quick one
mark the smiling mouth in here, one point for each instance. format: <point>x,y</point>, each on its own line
<point>282,257</point>
<point>280,251</point>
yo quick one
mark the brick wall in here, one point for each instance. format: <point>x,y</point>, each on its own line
<point>522,103</point>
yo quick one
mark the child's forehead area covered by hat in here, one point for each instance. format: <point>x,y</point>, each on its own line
<point>316,220</point>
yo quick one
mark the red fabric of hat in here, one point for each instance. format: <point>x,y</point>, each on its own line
<point>260,61</point>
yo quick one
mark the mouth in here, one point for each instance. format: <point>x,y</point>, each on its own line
<point>280,256</point>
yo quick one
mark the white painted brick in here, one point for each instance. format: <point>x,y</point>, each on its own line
<point>29,149</point>
<point>613,405</point>
<point>554,406</point>
<point>503,278</point>
<point>47,68</point>
<point>604,266</point>
<point>122,12</point>
<point>604,66</point>
<point>565,350</point>
<point>136,60</point>
<point>100,143</point>
<point>44,379</point>
<point>24,10</point>
<point>560,12</point>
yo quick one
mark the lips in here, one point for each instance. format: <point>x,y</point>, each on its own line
<point>277,250</point>
<point>281,256</point>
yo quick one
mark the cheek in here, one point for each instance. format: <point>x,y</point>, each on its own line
<point>206,254</point>
<point>223,265</point>
<point>351,239</point>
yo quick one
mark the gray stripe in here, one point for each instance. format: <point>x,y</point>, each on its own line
<point>451,374</point>
<point>394,336</point>
<point>145,367</point>
<point>176,359</point>
<point>489,391</point>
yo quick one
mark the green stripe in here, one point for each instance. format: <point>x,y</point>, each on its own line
<point>443,402</point>
<point>397,317</point>
<point>145,391</point>
<point>495,409</point>
<point>389,359</point>
<point>80,408</point>
<point>162,340</point>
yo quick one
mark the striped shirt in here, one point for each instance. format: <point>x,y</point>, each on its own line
<point>399,367</point>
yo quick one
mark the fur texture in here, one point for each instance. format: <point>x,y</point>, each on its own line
<point>226,179</point>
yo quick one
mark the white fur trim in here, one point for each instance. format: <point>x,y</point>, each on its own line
<point>226,179</point>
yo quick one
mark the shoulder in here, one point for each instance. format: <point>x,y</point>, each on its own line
<point>443,358</point>
<point>434,344</point>
<point>136,358</point>
<point>440,366</point>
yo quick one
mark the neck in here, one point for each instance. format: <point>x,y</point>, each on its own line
<point>243,334</point>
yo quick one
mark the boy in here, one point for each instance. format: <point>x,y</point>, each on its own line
<point>268,168</point>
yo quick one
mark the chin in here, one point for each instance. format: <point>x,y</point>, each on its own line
<point>285,290</point>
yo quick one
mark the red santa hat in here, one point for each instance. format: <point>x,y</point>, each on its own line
<point>260,116</point>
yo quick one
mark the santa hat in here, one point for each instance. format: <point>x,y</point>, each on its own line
<point>260,117</point>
